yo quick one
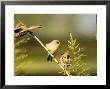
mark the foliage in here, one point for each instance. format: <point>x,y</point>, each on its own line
<point>77,66</point>
<point>19,55</point>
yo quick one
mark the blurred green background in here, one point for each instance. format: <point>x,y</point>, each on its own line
<point>57,26</point>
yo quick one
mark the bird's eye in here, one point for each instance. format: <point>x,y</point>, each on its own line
<point>58,42</point>
<point>39,27</point>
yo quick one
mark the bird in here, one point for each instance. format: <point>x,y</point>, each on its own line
<point>21,29</point>
<point>65,62</point>
<point>65,59</point>
<point>52,47</point>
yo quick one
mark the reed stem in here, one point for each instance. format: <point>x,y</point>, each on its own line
<point>49,53</point>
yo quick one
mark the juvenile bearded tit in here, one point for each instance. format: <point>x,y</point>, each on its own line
<point>21,29</point>
<point>52,47</point>
<point>65,61</point>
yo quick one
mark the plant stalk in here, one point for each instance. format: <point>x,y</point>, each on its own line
<point>49,52</point>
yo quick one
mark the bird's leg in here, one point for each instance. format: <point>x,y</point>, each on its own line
<point>48,52</point>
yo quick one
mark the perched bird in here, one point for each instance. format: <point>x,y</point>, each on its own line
<point>52,47</point>
<point>65,62</point>
<point>21,29</point>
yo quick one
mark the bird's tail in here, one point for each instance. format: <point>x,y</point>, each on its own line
<point>49,58</point>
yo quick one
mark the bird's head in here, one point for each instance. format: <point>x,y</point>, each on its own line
<point>56,42</point>
<point>39,26</point>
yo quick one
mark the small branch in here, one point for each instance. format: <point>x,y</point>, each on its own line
<point>33,27</point>
<point>49,52</point>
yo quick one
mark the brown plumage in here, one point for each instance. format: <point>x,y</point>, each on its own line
<point>21,30</point>
<point>65,62</point>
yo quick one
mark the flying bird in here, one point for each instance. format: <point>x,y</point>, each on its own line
<point>52,47</point>
<point>22,29</point>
